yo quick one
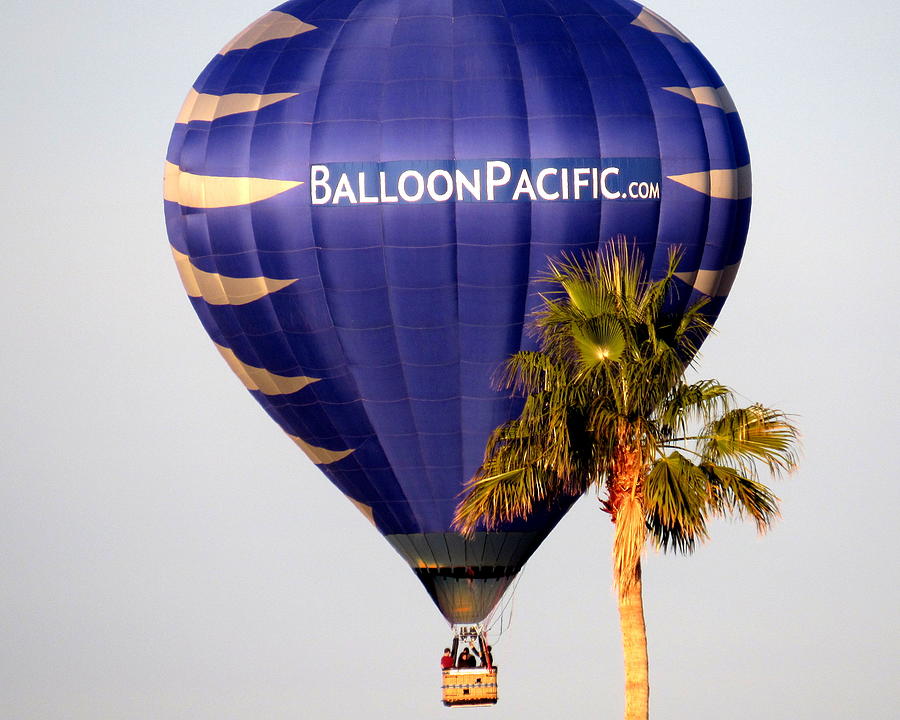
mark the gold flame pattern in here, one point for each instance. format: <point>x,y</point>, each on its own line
<point>366,510</point>
<point>320,456</point>
<point>715,283</point>
<point>273,25</point>
<point>214,191</point>
<point>649,20</point>
<point>706,95</point>
<point>219,289</point>
<point>257,378</point>
<point>728,184</point>
<point>202,106</point>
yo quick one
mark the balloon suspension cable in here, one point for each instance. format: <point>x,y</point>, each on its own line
<point>497,615</point>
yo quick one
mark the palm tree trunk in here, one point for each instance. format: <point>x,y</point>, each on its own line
<point>634,646</point>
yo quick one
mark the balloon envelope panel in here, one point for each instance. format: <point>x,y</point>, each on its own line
<point>359,194</point>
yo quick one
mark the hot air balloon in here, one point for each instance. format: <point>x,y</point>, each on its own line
<point>359,194</point>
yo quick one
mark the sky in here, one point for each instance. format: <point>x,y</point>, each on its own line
<point>166,553</point>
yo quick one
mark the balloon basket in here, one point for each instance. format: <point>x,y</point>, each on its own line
<point>469,687</point>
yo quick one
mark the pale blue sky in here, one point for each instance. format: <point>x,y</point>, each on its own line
<point>166,553</point>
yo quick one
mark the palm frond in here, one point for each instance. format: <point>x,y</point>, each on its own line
<point>622,270</point>
<point>655,294</point>
<point>755,434</point>
<point>530,372</point>
<point>599,339</point>
<point>652,378</point>
<point>550,435</point>
<point>700,401</point>
<point>690,330</point>
<point>676,502</point>
<point>733,492</point>
<point>603,421</point>
<point>582,292</point>
<point>492,500</point>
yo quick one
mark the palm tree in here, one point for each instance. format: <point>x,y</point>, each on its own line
<point>607,406</point>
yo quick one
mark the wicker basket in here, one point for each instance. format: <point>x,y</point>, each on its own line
<point>469,687</point>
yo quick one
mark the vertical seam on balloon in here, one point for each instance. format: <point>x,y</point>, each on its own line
<point>434,558</point>
<point>389,506</point>
<point>390,302</point>
<point>450,559</point>
<point>738,142</point>
<point>461,458</point>
<point>504,537</point>
<point>659,41</point>
<point>590,92</point>
<point>288,412</point>
<point>715,81</point>
<point>737,204</point>
<point>270,304</point>
<point>528,125</point>
<point>229,308</point>
<point>425,470</point>
<point>467,546</point>
<point>709,200</point>
<point>215,253</point>
<point>316,246</point>
<point>484,546</point>
<point>214,258</point>
<point>649,99</point>
<point>625,45</point>
<point>529,281</point>
<point>517,539</point>
<point>470,547</point>
<point>315,391</point>
<point>732,204</point>
<point>524,300</point>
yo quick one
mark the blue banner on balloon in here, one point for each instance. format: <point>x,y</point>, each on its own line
<point>501,180</point>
